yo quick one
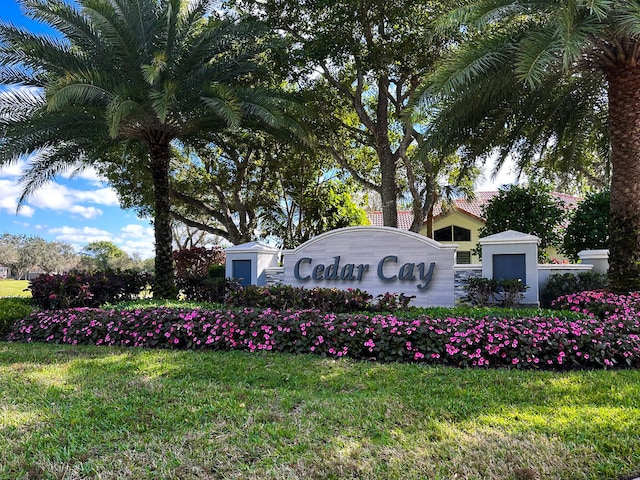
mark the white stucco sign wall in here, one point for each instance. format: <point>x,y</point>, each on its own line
<point>377,260</point>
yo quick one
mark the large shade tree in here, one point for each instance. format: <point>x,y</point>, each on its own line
<point>124,79</point>
<point>244,186</point>
<point>362,60</point>
<point>542,80</point>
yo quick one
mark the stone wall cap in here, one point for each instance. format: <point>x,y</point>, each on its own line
<point>364,230</point>
<point>565,266</point>
<point>509,236</point>
<point>252,247</point>
<point>593,254</point>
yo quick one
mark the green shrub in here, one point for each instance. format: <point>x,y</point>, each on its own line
<point>481,291</point>
<point>487,292</point>
<point>147,303</point>
<point>568,283</point>
<point>216,271</point>
<point>209,289</point>
<point>12,309</point>
<point>588,228</point>
<point>200,274</point>
<point>478,313</point>
<point>80,289</point>
<point>283,297</point>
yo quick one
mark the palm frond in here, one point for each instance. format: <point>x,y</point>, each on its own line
<point>42,167</point>
<point>535,55</point>
<point>224,103</point>
<point>118,111</point>
<point>19,103</point>
<point>78,94</point>
<point>575,33</point>
<point>21,77</point>
<point>68,20</point>
<point>468,63</point>
<point>20,48</point>
<point>626,21</point>
<point>163,100</point>
<point>600,8</point>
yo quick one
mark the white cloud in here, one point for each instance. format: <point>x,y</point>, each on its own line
<point>51,196</point>
<point>139,239</point>
<point>9,199</point>
<point>85,212</point>
<point>136,230</point>
<point>26,211</point>
<point>507,175</point>
<point>102,196</point>
<point>60,198</point>
<point>89,174</point>
<point>132,238</point>
<point>14,170</point>
<point>55,196</point>
<point>80,237</point>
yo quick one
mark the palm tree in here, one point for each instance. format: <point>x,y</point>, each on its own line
<point>127,76</point>
<point>542,80</point>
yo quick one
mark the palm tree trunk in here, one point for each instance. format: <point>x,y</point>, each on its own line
<point>624,215</point>
<point>164,284</point>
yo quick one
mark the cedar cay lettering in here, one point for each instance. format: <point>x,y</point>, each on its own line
<point>387,271</point>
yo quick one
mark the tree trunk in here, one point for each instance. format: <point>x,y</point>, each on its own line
<point>624,215</point>
<point>164,285</point>
<point>389,188</point>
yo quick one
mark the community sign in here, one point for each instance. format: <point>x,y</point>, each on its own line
<point>377,260</point>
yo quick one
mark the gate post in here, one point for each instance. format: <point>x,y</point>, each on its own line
<point>247,262</point>
<point>512,255</point>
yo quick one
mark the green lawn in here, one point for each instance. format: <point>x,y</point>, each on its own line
<point>14,288</point>
<point>97,412</point>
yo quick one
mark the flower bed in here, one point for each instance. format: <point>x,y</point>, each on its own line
<point>533,342</point>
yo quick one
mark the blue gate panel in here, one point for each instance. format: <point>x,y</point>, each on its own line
<point>509,267</point>
<point>241,271</point>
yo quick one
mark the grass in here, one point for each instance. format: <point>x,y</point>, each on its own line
<point>95,412</point>
<point>14,288</point>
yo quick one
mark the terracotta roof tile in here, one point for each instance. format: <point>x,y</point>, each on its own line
<point>405,219</point>
<point>471,207</point>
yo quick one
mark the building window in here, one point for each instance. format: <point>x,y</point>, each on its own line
<point>443,235</point>
<point>452,233</point>
<point>461,234</point>
<point>463,257</point>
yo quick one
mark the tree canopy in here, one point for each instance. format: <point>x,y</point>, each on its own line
<point>362,62</point>
<point>531,210</point>
<point>21,253</point>
<point>123,81</point>
<point>588,227</point>
<point>557,82</point>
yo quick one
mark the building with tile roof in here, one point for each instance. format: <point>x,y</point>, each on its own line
<point>461,222</point>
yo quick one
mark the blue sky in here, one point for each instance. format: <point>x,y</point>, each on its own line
<point>75,210</point>
<point>82,209</point>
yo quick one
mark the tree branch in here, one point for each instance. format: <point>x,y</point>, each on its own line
<point>201,226</point>
<point>352,171</point>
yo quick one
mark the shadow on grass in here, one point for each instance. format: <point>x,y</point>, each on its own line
<point>132,413</point>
